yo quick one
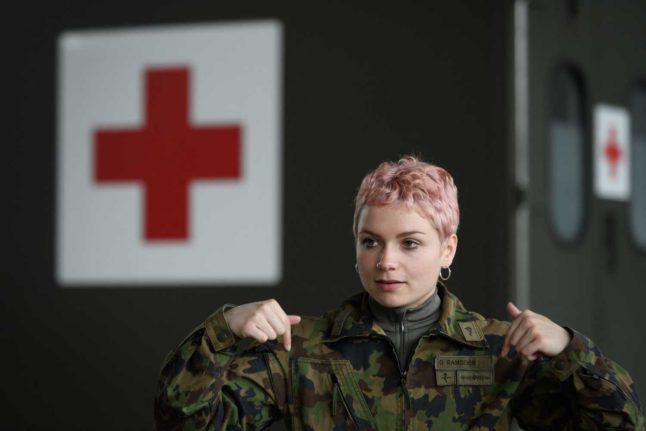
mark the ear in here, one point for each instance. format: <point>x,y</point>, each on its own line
<point>449,247</point>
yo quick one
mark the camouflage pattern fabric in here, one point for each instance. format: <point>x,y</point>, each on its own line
<point>342,373</point>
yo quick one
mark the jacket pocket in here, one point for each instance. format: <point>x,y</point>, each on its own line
<point>325,396</point>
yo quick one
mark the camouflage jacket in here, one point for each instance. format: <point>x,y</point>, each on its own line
<point>342,373</point>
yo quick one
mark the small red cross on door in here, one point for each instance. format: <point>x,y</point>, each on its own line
<point>167,154</point>
<point>612,151</point>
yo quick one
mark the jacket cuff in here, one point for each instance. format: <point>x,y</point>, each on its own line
<point>578,353</point>
<point>218,330</point>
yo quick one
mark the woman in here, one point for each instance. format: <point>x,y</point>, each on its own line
<point>404,354</point>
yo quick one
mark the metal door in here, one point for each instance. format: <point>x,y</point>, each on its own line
<point>584,264</point>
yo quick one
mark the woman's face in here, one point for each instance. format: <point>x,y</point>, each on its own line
<point>399,255</point>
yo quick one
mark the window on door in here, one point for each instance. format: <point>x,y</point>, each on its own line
<point>566,163</point>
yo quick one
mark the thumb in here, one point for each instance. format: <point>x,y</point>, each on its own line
<point>512,310</point>
<point>293,320</point>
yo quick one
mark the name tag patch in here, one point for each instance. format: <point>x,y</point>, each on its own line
<point>463,363</point>
<point>464,370</point>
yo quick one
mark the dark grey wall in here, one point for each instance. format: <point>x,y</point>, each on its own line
<point>363,82</point>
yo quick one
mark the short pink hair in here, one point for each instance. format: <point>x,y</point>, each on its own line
<point>427,188</point>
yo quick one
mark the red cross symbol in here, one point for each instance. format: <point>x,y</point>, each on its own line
<point>166,154</point>
<point>612,151</point>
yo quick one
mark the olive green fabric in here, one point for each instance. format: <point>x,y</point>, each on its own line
<point>342,373</point>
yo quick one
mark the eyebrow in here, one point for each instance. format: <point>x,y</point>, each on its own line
<point>407,233</point>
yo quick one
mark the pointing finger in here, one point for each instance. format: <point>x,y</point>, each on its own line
<point>514,312</point>
<point>287,336</point>
<point>282,322</point>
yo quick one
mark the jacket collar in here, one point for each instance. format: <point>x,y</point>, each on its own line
<point>354,319</point>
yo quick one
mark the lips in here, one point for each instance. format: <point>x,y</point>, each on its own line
<point>389,285</point>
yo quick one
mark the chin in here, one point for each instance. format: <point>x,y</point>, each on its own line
<point>389,301</point>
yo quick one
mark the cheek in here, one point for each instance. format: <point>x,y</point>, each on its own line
<point>362,257</point>
<point>366,260</point>
<point>430,266</point>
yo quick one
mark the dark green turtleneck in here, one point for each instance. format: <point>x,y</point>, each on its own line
<point>404,326</point>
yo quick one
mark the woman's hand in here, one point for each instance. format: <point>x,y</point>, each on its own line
<point>533,335</point>
<point>262,321</point>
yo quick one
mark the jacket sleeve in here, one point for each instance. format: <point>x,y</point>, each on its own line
<point>579,389</point>
<point>215,381</point>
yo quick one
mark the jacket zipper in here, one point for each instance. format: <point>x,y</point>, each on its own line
<point>337,389</point>
<point>402,340</point>
<point>403,372</point>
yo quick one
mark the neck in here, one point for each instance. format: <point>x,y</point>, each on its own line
<point>405,325</point>
<point>427,312</point>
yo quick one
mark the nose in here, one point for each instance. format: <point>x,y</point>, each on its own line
<point>387,260</point>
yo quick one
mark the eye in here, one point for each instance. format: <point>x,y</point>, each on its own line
<point>368,243</point>
<point>410,244</point>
